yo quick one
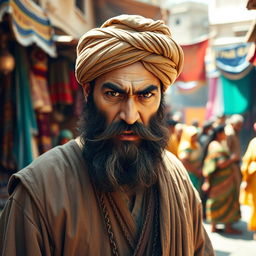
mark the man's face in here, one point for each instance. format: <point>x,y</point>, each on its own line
<point>123,129</point>
<point>131,94</point>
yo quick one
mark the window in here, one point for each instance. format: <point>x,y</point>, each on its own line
<point>80,4</point>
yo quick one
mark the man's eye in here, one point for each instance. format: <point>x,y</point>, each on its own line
<point>146,95</point>
<point>112,94</point>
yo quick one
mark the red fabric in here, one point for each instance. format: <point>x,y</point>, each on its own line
<point>252,55</point>
<point>61,90</point>
<point>194,67</point>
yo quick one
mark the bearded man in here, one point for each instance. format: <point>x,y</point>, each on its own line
<point>114,190</point>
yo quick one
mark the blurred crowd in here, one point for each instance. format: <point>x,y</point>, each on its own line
<point>223,176</point>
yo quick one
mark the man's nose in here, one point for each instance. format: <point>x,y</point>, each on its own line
<point>129,112</point>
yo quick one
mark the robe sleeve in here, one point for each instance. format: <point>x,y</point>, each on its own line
<point>22,229</point>
<point>203,245</point>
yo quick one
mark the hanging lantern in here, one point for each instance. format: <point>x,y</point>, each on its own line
<point>7,61</point>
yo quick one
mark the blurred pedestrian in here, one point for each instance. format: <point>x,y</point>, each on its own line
<point>232,130</point>
<point>220,119</point>
<point>204,135</point>
<point>173,143</point>
<point>248,186</point>
<point>222,204</point>
<point>115,190</point>
<point>189,152</point>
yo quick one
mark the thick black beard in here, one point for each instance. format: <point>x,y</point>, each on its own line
<point>112,164</point>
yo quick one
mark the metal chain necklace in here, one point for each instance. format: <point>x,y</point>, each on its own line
<point>113,243</point>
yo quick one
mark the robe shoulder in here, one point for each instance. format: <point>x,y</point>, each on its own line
<point>55,175</point>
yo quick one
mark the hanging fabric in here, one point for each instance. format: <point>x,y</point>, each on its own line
<point>26,126</point>
<point>237,94</point>
<point>30,24</point>
<point>194,65</point>
<point>232,60</point>
<point>39,81</point>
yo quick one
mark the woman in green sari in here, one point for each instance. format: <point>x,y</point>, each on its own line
<point>222,205</point>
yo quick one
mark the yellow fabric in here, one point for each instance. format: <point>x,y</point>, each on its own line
<point>173,144</point>
<point>186,141</point>
<point>124,40</point>
<point>248,195</point>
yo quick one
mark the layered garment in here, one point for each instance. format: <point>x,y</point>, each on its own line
<point>55,210</point>
<point>248,195</point>
<point>222,205</point>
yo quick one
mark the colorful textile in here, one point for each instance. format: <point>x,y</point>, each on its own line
<point>222,205</point>
<point>4,178</point>
<point>124,40</point>
<point>30,24</point>
<point>38,80</point>
<point>248,195</point>
<point>59,82</point>
<point>7,117</point>
<point>194,67</point>
<point>26,126</point>
<point>215,105</point>
<point>232,58</point>
<point>44,139</point>
<point>237,94</point>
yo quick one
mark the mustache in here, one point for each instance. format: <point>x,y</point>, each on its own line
<point>121,126</point>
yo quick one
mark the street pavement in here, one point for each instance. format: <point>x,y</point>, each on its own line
<point>234,245</point>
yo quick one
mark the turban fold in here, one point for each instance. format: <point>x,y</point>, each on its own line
<point>124,40</point>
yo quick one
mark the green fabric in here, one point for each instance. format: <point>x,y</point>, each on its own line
<point>195,180</point>
<point>209,166</point>
<point>237,94</point>
<point>26,124</point>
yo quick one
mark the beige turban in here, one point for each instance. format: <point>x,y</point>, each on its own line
<point>124,40</point>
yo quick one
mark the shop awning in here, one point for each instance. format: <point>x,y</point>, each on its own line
<point>30,24</point>
<point>105,9</point>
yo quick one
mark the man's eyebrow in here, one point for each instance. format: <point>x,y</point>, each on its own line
<point>113,87</point>
<point>150,88</point>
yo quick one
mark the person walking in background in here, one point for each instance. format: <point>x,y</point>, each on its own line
<point>204,135</point>
<point>222,205</point>
<point>232,130</point>
<point>248,186</point>
<point>203,139</point>
<point>189,152</point>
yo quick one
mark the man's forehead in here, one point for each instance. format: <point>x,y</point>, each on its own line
<point>134,76</point>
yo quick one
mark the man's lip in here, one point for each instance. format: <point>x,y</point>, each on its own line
<point>128,136</point>
<point>127,132</point>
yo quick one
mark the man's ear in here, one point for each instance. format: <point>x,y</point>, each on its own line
<point>86,90</point>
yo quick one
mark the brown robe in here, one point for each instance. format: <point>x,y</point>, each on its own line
<point>53,210</point>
